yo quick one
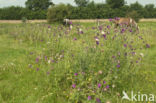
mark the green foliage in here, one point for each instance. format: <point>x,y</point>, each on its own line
<point>81,3</point>
<point>58,57</point>
<point>57,13</point>
<point>38,4</point>
<point>115,3</point>
<point>16,13</point>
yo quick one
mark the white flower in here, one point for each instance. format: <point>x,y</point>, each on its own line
<point>141,54</point>
<point>71,26</point>
<point>102,32</point>
<point>80,30</point>
<point>48,61</point>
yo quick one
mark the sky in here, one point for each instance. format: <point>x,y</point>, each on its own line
<point>6,3</point>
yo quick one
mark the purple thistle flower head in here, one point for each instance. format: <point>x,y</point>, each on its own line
<point>100,27</point>
<point>97,42</point>
<point>130,30</point>
<point>37,69</point>
<point>74,85</point>
<point>147,46</point>
<point>76,74</point>
<point>104,82</point>
<point>98,100</point>
<point>108,27</point>
<point>89,97</point>
<point>110,19</point>
<point>104,36</point>
<point>113,56</point>
<point>37,60</point>
<point>125,45</point>
<point>75,39</point>
<point>70,22</point>
<point>118,66</point>
<point>107,86</point>
<point>99,85</point>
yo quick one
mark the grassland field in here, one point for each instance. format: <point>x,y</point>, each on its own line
<point>49,63</point>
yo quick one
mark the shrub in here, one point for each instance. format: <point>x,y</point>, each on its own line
<point>57,13</point>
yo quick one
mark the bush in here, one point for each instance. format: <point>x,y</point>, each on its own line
<point>57,13</point>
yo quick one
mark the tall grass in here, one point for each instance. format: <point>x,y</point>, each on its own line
<point>83,64</point>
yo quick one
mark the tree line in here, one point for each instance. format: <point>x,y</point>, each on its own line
<point>43,9</point>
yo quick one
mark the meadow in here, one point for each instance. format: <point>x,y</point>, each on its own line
<point>85,63</point>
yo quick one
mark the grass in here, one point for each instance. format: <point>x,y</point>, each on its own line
<point>38,64</point>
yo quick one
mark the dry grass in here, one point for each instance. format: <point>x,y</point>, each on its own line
<point>75,20</point>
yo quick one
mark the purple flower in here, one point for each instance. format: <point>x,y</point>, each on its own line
<point>136,61</point>
<point>37,69</point>
<point>125,45</point>
<point>98,100</point>
<point>37,60</point>
<point>107,86</point>
<point>113,56</point>
<point>75,38</point>
<point>118,66</point>
<point>45,57</point>
<point>108,27</point>
<point>100,27</point>
<point>99,85</point>
<point>70,22</point>
<point>110,19</point>
<point>104,82</point>
<point>97,42</point>
<point>74,85</point>
<point>76,74</point>
<point>147,46</point>
<point>104,36</point>
<point>89,97</point>
<point>130,30</point>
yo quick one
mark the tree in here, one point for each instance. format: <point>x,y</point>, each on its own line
<point>149,11</point>
<point>57,13</point>
<point>81,3</point>
<point>38,4</point>
<point>115,3</point>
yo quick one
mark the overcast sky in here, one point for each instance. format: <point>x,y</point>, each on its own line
<point>5,3</point>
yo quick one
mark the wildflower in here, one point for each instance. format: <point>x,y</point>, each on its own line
<point>97,42</point>
<point>102,32</point>
<point>104,82</point>
<point>118,66</point>
<point>98,100</point>
<point>113,86</point>
<point>49,61</point>
<point>76,74</point>
<point>104,35</point>
<point>125,45</point>
<point>130,30</point>
<point>141,54</point>
<point>37,69</point>
<point>75,39</point>
<point>74,85</point>
<point>37,59</point>
<point>147,46</point>
<point>108,27</point>
<point>136,61</point>
<point>110,19</point>
<point>100,27</point>
<point>100,72</point>
<point>107,86</point>
<point>113,56</point>
<point>89,97</point>
<point>99,85</point>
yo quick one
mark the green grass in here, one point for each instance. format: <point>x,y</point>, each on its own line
<point>21,84</point>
